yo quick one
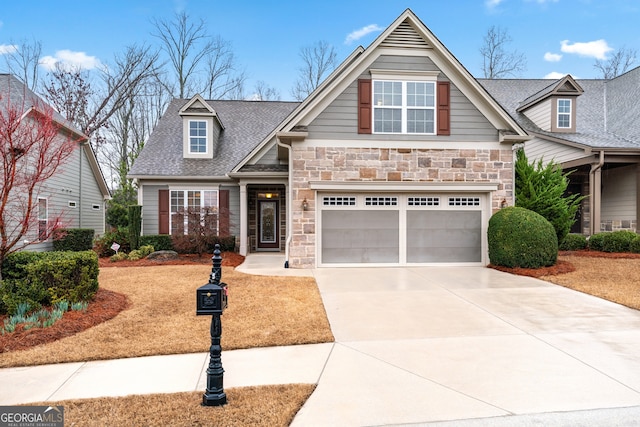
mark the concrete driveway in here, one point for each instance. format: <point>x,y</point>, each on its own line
<point>420,345</point>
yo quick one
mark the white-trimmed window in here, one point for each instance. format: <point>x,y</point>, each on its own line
<point>564,113</point>
<point>404,107</point>
<point>197,136</point>
<point>43,218</point>
<point>192,210</point>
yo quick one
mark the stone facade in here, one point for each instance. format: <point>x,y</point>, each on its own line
<point>387,165</point>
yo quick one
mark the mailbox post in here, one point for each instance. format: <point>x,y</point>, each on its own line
<point>212,299</point>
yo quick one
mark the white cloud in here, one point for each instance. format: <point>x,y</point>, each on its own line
<point>554,75</point>
<point>358,34</point>
<point>492,3</point>
<point>597,49</point>
<point>8,48</point>
<point>552,57</point>
<point>68,58</point>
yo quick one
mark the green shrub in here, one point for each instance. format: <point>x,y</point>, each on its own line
<point>120,256</point>
<point>45,278</point>
<point>634,246</point>
<point>146,250</point>
<point>573,242</point>
<point>102,245</point>
<point>117,215</point>
<point>519,237</point>
<point>160,242</point>
<point>618,241</point>
<point>135,255</point>
<point>135,225</point>
<point>73,239</point>
<point>596,241</point>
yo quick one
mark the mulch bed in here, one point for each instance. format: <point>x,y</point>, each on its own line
<point>106,305</point>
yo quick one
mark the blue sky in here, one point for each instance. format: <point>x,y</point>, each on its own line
<point>556,36</point>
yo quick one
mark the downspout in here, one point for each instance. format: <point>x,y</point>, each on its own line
<point>80,187</point>
<point>289,203</point>
<point>595,181</point>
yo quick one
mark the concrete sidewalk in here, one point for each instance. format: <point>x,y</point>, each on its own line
<point>464,346</point>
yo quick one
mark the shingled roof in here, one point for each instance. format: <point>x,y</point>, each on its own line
<point>607,113</point>
<point>247,123</point>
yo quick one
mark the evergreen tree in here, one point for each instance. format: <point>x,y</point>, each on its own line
<point>542,189</point>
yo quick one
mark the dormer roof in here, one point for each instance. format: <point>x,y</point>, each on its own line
<point>197,106</point>
<point>566,86</point>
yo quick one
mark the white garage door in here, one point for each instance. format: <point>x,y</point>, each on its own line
<point>400,228</point>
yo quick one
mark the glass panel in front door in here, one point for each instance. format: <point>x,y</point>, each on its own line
<point>267,222</point>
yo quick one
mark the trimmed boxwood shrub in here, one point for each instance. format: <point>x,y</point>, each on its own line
<point>613,241</point>
<point>46,278</point>
<point>635,245</point>
<point>73,239</point>
<point>187,245</point>
<point>596,241</point>
<point>519,237</point>
<point>160,242</point>
<point>573,242</point>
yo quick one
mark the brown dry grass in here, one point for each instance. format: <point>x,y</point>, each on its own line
<point>263,311</point>
<point>615,279</point>
<point>268,406</point>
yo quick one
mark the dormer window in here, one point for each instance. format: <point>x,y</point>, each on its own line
<point>564,113</point>
<point>197,136</point>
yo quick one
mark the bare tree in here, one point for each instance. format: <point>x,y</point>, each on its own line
<point>619,63</point>
<point>24,62</point>
<point>33,147</point>
<point>90,107</point>
<point>263,92</point>
<point>318,61</point>
<point>497,62</point>
<point>187,44</point>
<point>222,78</point>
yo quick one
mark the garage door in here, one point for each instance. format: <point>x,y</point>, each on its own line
<point>400,228</point>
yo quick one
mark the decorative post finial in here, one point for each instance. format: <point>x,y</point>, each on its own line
<point>216,270</point>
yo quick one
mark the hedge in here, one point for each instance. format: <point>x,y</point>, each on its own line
<point>73,239</point>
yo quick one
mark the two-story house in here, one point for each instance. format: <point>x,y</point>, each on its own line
<point>76,194</point>
<point>400,157</point>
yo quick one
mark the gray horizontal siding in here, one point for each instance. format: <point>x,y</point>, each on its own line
<point>339,120</point>
<point>619,194</point>
<point>552,151</point>
<point>234,208</point>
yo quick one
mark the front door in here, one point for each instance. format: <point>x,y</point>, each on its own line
<point>268,230</point>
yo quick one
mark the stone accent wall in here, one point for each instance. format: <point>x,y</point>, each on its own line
<point>386,165</point>
<point>618,225</point>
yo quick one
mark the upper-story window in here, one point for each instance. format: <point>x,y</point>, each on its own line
<point>404,107</point>
<point>197,136</point>
<point>564,113</point>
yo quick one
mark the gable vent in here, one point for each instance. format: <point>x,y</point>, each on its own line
<point>405,36</point>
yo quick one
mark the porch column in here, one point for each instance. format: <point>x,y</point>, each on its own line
<point>244,219</point>
<point>595,188</point>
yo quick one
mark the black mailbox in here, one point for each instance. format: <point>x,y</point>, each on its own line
<point>211,298</point>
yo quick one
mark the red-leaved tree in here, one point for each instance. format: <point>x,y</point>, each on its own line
<point>34,146</point>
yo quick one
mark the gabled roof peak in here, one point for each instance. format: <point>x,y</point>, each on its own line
<point>564,86</point>
<point>197,106</point>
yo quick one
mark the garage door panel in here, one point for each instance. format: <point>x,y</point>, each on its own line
<point>443,236</point>
<point>359,236</point>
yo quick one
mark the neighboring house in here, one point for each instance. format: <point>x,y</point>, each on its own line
<point>591,128</point>
<point>78,191</point>
<point>400,157</point>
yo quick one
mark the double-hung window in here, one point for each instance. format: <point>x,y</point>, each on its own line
<point>197,136</point>
<point>404,107</point>
<point>564,113</point>
<point>43,219</point>
<point>194,211</point>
